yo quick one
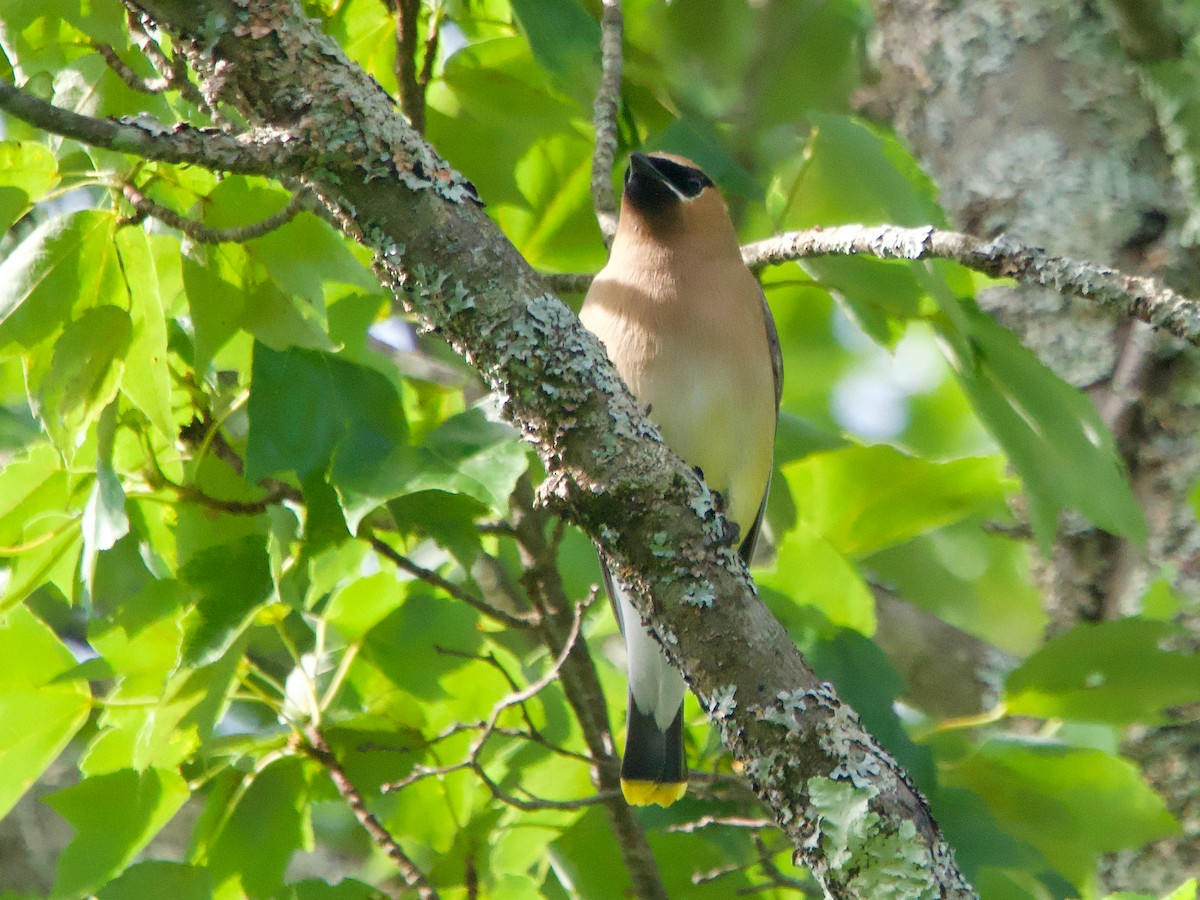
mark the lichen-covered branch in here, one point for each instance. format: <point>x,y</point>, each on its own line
<point>1129,295</point>
<point>604,115</point>
<point>851,813</point>
<point>1134,296</point>
<point>260,151</point>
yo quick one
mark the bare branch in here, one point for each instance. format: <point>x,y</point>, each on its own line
<point>319,750</point>
<point>517,697</point>
<point>131,78</point>
<point>412,91</point>
<point>259,151</point>
<point>456,591</point>
<point>173,69</point>
<point>1130,295</point>
<point>1135,296</point>
<point>203,234</point>
<point>581,685</point>
<point>431,49</point>
<point>727,821</point>
<point>604,114</point>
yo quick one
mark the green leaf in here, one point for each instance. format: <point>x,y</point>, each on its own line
<point>467,454</point>
<point>266,826</point>
<point>146,380</point>
<point>810,571</point>
<point>83,375</point>
<point>1073,805</point>
<point>234,580</point>
<point>302,255</point>
<point>346,889</point>
<point>447,519</point>
<point>862,499</point>
<point>1111,672</point>
<point>362,604</point>
<point>305,404</point>
<point>30,487</point>
<point>858,173</point>
<point>43,561</point>
<point>1186,891</point>
<point>399,670</point>
<point>65,262</point>
<point>555,228</point>
<point>564,39</point>
<point>39,715</point>
<point>159,878</point>
<point>28,170</point>
<point>216,280</point>
<point>1064,453</point>
<point>114,817</point>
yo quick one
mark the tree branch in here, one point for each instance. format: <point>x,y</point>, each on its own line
<point>581,685</point>
<point>203,234</point>
<point>1129,295</point>
<point>1134,296</point>
<point>319,750</point>
<point>504,617</point>
<point>259,151</point>
<point>604,115</point>
<point>132,79</point>
<point>412,91</point>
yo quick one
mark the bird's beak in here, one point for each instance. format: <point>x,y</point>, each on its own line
<point>640,165</point>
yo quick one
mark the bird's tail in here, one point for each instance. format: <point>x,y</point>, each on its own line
<point>654,769</point>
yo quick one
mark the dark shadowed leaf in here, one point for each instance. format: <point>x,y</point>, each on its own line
<point>1113,672</point>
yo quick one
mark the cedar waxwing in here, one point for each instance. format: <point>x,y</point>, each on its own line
<point>688,328</point>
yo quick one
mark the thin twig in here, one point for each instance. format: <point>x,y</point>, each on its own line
<point>319,750</point>
<point>412,92</point>
<point>203,234</point>
<point>604,115</point>
<point>131,78</point>
<point>431,49</point>
<point>488,728</point>
<point>172,69</point>
<point>581,686</point>
<point>1136,296</point>
<point>728,821</point>
<point>430,577</point>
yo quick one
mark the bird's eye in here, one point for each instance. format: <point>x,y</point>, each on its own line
<point>695,184</point>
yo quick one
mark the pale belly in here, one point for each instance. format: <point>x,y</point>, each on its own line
<point>717,417</point>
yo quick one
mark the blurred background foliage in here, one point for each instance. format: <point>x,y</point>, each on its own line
<point>207,448</point>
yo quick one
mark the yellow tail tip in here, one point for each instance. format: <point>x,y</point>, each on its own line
<point>643,793</point>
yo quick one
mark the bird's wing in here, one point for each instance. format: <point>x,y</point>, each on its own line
<point>746,550</point>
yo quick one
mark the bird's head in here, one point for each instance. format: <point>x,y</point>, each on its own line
<point>668,197</point>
